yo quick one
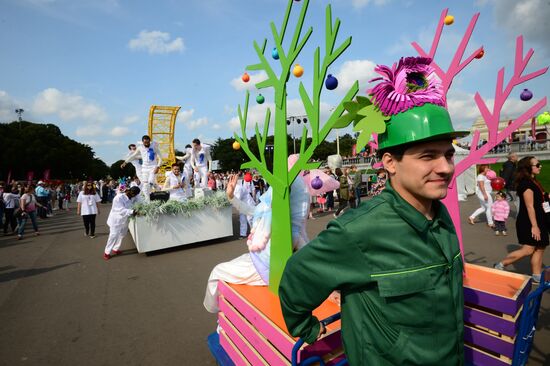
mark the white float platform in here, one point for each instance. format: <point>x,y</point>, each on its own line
<point>171,231</point>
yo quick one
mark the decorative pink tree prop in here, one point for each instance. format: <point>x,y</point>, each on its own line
<point>491,118</point>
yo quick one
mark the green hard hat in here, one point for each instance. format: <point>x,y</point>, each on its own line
<point>423,123</point>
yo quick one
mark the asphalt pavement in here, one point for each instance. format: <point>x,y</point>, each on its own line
<point>62,304</point>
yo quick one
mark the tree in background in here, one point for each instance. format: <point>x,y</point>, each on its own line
<point>117,172</point>
<point>35,147</point>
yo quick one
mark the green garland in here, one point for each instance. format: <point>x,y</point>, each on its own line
<point>154,209</point>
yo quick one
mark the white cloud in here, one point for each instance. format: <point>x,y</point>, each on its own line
<point>216,127</point>
<point>192,125</point>
<point>185,115</point>
<point>156,42</point>
<point>362,3</point>
<point>95,143</point>
<point>7,107</point>
<point>89,131</point>
<point>67,106</point>
<point>129,120</point>
<point>360,70</point>
<point>530,17</point>
<point>240,85</point>
<point>120,131</point>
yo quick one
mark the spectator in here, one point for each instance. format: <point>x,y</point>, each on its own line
<point>28,204</point>
<point>343,192</point>
<point>87,207</point>
<point>483,193</point>
<point>11,202</point>
<point>508,174</point>
<point>42,196</point>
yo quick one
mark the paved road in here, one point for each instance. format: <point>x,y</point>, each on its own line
<point>62,304</point>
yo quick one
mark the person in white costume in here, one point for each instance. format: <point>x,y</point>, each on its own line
<point>176,184</point>
<point>201,162</point>
<point>244,192</point>
<point>117,221</point>
<point>187,167</point>
<point>149,152</point>
<point>252,268</point>
<point>137,163</point>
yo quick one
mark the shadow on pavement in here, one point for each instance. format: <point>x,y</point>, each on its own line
<point>22,273</point>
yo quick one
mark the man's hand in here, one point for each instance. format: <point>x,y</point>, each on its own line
<point>196,169</point>
<point>231,184</point>
<point>156,170</point>
<point>122,165</point>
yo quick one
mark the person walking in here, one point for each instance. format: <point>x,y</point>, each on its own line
<point>28,204</point>
<point>343,192</point>
<point>42,196</point>
<point>11,203</point>
<point>483,193</point>
<point>531,224</point>
<point>86,206</point>
<point>508,174</point>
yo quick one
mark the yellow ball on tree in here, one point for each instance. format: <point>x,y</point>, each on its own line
<point>236,145</point>
<point>449,19</point>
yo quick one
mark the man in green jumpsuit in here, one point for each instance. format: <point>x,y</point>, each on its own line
<point>395,259</point>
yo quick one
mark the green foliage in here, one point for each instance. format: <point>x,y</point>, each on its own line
<point>28,146</point>
<point>118,172</point>
<point>154,209</point>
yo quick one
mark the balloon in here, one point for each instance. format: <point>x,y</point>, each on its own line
<point>543,118</point>
<point>248,177</point>
<point>480,54</point>
<point>491,174</point>
<point>260,99</point>
<point>245,77</point>
<point>331,83</point>
<point>298,70</point>
<point>316,183</point>
<point>526,95</point>
<point>498,183</point>
<point>449,19</point>
<point>236,145</point>
<point>275,53</point>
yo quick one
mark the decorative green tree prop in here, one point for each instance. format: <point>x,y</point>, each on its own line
<point>280,178</point>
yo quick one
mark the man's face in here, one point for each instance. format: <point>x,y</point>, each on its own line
<point>196,147</point>
<point>176,170</point>
<point>146,142</point>
<point>424,173</point>
<point>132,148</point>
<point>513,158</point>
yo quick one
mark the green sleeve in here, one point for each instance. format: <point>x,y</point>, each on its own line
<point>332,261</point>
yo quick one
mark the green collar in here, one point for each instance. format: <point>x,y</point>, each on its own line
<point>414,217</point>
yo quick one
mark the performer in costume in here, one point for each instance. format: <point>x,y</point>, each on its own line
<point>244,191</point>
<point>187,167</point>
<point>252,268</point>
<point>201,162</point>
<point>396,258</point>
<point>176,184</point>
<point>118,221</point>
<point>149,152</point>
<point>137,163</point>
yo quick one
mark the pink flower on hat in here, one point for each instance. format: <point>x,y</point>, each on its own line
<point>407,84</point>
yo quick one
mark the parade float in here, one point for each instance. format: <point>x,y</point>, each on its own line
<point>160,225</point>
<point>500,312</point>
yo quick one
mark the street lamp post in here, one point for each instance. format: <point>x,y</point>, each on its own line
<point>293,120</point>
<point>19,112</point>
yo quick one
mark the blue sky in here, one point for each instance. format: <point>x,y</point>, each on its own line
<point>95,67</point>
